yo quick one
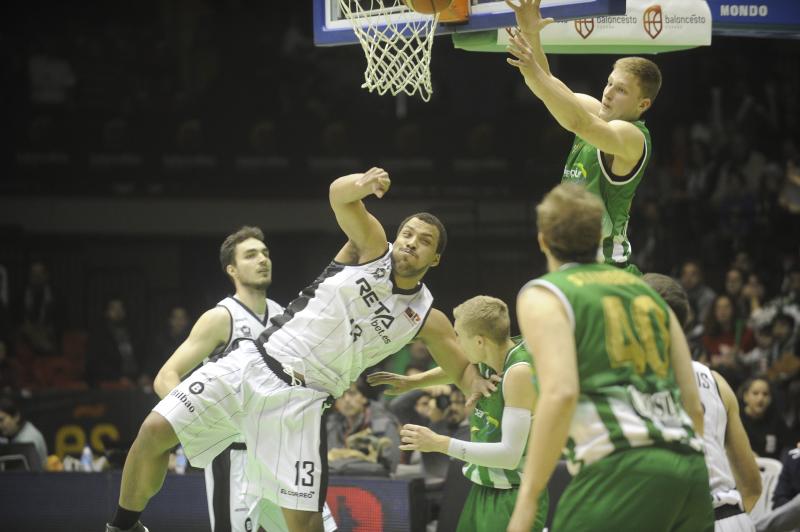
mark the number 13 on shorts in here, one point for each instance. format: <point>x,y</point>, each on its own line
<point>304,473</point>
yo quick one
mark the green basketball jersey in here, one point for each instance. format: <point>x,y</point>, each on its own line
<point>585,166</point>
<point>628,393</point>
<point>486,424</point>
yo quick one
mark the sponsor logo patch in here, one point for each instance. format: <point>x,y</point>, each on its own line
<point>197,387</point>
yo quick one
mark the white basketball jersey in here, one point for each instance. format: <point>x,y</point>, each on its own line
<point>715,421</point>
<point>245,324</point>
<point>350,318</point>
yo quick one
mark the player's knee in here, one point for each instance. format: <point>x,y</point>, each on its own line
<point>298,520</point>
<point>156,433</point>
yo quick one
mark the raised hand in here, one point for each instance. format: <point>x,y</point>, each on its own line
<point>482,388</point>
<point>398,384</point>
<point>522,54</point>
<point>529,16</point>
<point>377,179</point>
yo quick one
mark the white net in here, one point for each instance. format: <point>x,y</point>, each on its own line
<point>397,44</point>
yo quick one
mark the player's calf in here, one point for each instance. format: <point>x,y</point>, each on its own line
<point>144,471</point>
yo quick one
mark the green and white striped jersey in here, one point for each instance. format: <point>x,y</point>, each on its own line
<point>628,393</point>
<point>585,167</point>
<point>487,420</point>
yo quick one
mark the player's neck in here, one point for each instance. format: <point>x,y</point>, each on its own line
<point>497,358</point>
<point>407,283</point>
<point>553,264</point>
<point>253,298</point>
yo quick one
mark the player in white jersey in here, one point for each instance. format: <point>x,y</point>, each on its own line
<point>733,474</point>
<point>245,258</point>
<point>366,305</point>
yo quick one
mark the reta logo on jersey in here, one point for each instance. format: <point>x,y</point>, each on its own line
<point>381,318</point>
<point>370,298</point>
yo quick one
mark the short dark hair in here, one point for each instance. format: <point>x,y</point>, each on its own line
<point>9,406</point>
<point>672,292</point>
<point>428,218</point>
<point>784,317</point>
<point>227,251</point>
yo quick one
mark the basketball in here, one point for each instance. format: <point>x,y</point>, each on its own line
<point>428,7</point>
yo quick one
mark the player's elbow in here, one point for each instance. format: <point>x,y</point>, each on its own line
<point>161,384</point>
<point>508,462</point>
<point>563,396</point>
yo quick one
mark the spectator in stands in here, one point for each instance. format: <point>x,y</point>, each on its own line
<point>415,406</point>
<point>765,429</point>
<point>176,330</point>
<point>756,361</point>
<point>789,196</point>
<point>742,262</point>
<point>38,311</point>
<point>363,436</point>
<point>442,409</point>
<point>787,302</point>
<point>14,428</point>
<point>726,337</point>
<point>700,295</point>
<point>111,357</point>
<point>8,370</point>
<point>784,364</point>
<point>753,293</point>
<point>734,285</point>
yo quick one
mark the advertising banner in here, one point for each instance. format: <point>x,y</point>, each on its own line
<point>646,27</point>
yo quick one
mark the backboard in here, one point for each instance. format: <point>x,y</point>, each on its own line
<point>331,28</point>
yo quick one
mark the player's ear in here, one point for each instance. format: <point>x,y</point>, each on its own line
<point>230,269</point>
<point>644,105</point>
<point>436,259</point>
<point>542,245</point>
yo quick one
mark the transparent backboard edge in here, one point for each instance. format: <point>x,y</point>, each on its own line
<point>492,15</point>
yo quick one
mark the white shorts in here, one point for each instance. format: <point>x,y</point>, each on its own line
<point>270,517</point>
<point>735,523</point>
<point>228,501</point>
<point>229,505</point>
<point>240,397</point>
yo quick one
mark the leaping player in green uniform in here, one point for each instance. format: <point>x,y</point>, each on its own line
<point>612,146</point>
<point>616,388</point>
<point>499,425</point>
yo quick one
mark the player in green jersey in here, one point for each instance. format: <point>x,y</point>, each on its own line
<point>612,145</point>
<point>500,423</point>
<point>616,388</point>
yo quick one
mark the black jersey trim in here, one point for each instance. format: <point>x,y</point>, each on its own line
<point>615,179</point>
<point>379,257</point>
<point>217,352</point>
<point>249,311</point>
<point>405,291</point>
<point>323,451</point>
<point>221,493</point>
<point>716,384</point>
<point>424,320</point>
<point>299,303</point>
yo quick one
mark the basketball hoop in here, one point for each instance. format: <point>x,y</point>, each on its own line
<point>397,44</point>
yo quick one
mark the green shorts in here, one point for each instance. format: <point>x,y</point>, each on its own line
<point>489,510</point>
<point>652,489</point>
